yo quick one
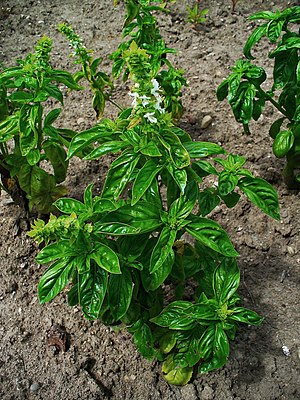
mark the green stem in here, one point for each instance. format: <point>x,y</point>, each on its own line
<point>116,104</point>
<point>3,149</point>
<point>270,98</point>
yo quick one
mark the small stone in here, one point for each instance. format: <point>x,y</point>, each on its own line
<point>291,250</point>
<point>34,387</point>
<point>194,96</point>
<point>207,393</point>
<point>189,392</point>
<point>80,121</point>
<point>206,121</point>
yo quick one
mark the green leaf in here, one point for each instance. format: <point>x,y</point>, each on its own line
<point>211,235</point>
<point>88,196</point>
<point>55,279</point>
<point>227,182</point>
<point>226,280</point>
<point>91,289</point>
<point>57,155</point>
<point>255,37</point>
<point>203,149</point>
<point>275,127</point>
<point>119,293</point>
<point>144,179</point>
<point>22,97</point>
<point>102,205</point>
<point>162,248</point>
<point>55,92</point>
<point>262,194</point>
<point>179,155</point>
<point>222,90</point>
<point>283,142</point>
<point>108,147</point>
<point>143,217</point>
<point>66,78</point>
<point>54,251</point>
<point>215,342</point>
<point>106,258</point>
<point>28,138</point>
<point>274,29</point>
<point>175,375</point>
<point>98,103</point>
<point>143,339</point>
<point>184,205</point>
<point>208,201</point>
<point>244,315</point>
<point>119,175</point>
<point>68,205</point>
<point>179,176</point>
<point>177,315</point>
<point>152,281</point>
<point>52,116</point>
<point>33,157</point>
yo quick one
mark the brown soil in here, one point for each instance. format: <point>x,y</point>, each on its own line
<point>99,363</point>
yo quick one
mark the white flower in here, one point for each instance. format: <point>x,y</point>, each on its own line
<point>155,87</point>
<point>150,117</point>
<point>144,99</point>
<point>135,98</point>
<point>159,108</point>
<point>286,351</point>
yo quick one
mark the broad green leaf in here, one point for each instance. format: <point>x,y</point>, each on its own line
<point>183,206</point>
<point>132,246</point>
<point>91,289</point>
<point>55,279</point>
<point>98,103</point>
<point>57,155</point>
<point>162,248</point>
<point>218,345</point>
<point>28,137</point>
<point>203,149</point>
<point>108,147</point>
<point>106,258</point>
<point>102,205</point>
<point>177,315</point>
<point>82,140</point>
<point>54,251</point>
<point>119,175</point>
<point>208,201</point>
<point>88,196</point>
<point>143,339</point>
<point>119,293</point>
<point>9,127</point>
<point>179,176</point>
<point>52,116</point>
<point>262,194</point>
<point>22,97</point>
<point>255,37</point>
<point>274,29</point>
<point>175,375</point>
<point>33,157</point>
<point>177,151</point>
<point>244,315</point>
<point>283,142</point>
<point>143,217</point>
<point>226,280</point>
<point>55,92</point>
<point>68,206</point>
<point>275,127</point>
<point>222,90</point>
<point>152,281</point>
<point>66,78</point>
<point>227,182</point>
<point>144,179</point>
<point>211,235</point>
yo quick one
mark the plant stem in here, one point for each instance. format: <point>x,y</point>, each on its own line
<point>115,104</point>
<point>270,98</point>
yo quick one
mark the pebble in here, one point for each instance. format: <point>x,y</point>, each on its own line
<point>80,121</point>
<point>34,387</point>
<point>207,393</point>
<point>206,121</point>
<point>189,392</point>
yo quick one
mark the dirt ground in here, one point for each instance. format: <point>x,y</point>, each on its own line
<point>100,363</point>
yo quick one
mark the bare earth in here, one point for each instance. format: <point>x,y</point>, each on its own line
<point>102,364</point>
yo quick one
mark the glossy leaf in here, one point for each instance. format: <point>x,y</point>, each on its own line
<point>283,142</point>
<point>108,147</point>
<point>106,258</point>
<point>262,194</point>
<point>211,235</point>
<point>226,280</point>
<point>68,205</point>
<point>119,293</point>
<point>177,151</point>
<point>57,156</point>
<point>152,281</point>
<point>162,248</point>
<point>203,149</point>
<point>91,289</point>
<point>241,314</point>
<point>255,37</point>
<point>227,182</point>
<point>175,375</point>
<point>52,116</point>
<point>177,315</point>
<point>184,205</point>
<point>208,201</point>
<point>55,279</point>
<point>144,179</point>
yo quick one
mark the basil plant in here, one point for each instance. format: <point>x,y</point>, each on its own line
<point>144,254</point>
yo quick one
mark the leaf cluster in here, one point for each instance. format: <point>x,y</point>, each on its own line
<point>244,87</point>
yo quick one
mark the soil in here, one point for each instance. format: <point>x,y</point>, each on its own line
<point>90,360</point>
